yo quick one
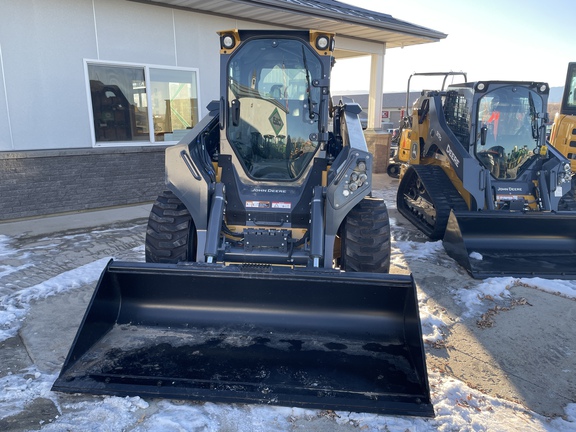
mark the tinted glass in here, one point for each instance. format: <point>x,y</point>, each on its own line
<point>273,107</point>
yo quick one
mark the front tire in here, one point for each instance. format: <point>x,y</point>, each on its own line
<point>365,238</point>
<point>393,170</point>
<point>171,234</point>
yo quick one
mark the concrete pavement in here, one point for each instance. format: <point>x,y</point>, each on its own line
<point>79,220</point>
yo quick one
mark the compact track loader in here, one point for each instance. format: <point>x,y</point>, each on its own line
<point>266,278</point>
<point>395,163</point>
<point>479,174</point>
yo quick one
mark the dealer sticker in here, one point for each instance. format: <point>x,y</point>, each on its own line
<point>257,204</point>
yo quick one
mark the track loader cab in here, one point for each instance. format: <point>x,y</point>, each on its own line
<point>480,175</point>
<point>266,278</point>
<point>509,141</point>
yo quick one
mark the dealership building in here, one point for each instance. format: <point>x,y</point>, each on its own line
<point>92,91</point>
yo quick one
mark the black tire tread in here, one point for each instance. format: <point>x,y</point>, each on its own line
<point>365,237</point>
<point>170,233</point>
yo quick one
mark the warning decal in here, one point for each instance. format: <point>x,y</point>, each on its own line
<point>282,205</point>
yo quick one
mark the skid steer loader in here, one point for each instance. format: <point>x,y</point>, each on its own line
<point>266,278</point>
<point>479,174</point>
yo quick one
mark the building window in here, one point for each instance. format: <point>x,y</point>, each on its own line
<point>174,102</point>
<point>121,95</point>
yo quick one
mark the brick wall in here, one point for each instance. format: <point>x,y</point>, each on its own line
<point>35,183</point>
<point>379,145</point>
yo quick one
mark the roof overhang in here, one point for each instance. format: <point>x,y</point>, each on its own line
<point>327,15</point>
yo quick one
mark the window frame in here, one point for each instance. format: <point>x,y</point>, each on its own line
<point>146,67</point>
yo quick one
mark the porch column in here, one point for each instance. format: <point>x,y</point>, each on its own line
<point>378,142</point>
<point>376,90</point>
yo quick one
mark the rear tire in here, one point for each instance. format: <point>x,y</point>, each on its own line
<point>171,234</point>
<point>393,170</point>
<point>365,238</point>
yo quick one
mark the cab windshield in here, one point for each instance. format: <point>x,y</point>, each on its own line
<point>509,121</point>
<point>273,116</point>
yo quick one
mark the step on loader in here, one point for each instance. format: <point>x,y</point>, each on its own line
<point>266,275</point>
<point>479,174</point>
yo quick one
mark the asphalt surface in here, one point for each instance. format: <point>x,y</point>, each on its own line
<point>521,356</point>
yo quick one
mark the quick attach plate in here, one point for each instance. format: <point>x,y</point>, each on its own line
<point>266,238</point>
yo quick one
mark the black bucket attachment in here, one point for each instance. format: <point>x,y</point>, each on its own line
<point>516,244</point>
<point>316,339</point>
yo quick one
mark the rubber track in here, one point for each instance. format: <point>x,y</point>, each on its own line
<point>441,191</point>
<point>170,231</point>
<point>366,238</point>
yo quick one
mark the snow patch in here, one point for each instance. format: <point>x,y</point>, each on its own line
<point>5,248</point>
<point>472,298</point>
<point>419,250</point>
<point>18,390</point>
<point>564,288</point>
<point>432,325</point>
<point>14,307</point>
<point>476,255</point>
<point>109,414</point>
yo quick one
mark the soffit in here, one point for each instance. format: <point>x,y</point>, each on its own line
<point>327,15</point>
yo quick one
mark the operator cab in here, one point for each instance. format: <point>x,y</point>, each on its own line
<point>274,121</point>
<point>509,131</point>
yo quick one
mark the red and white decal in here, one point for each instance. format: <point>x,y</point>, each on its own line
<point>281,205</point>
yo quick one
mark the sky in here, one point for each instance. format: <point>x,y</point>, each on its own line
<point>524,40</point>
